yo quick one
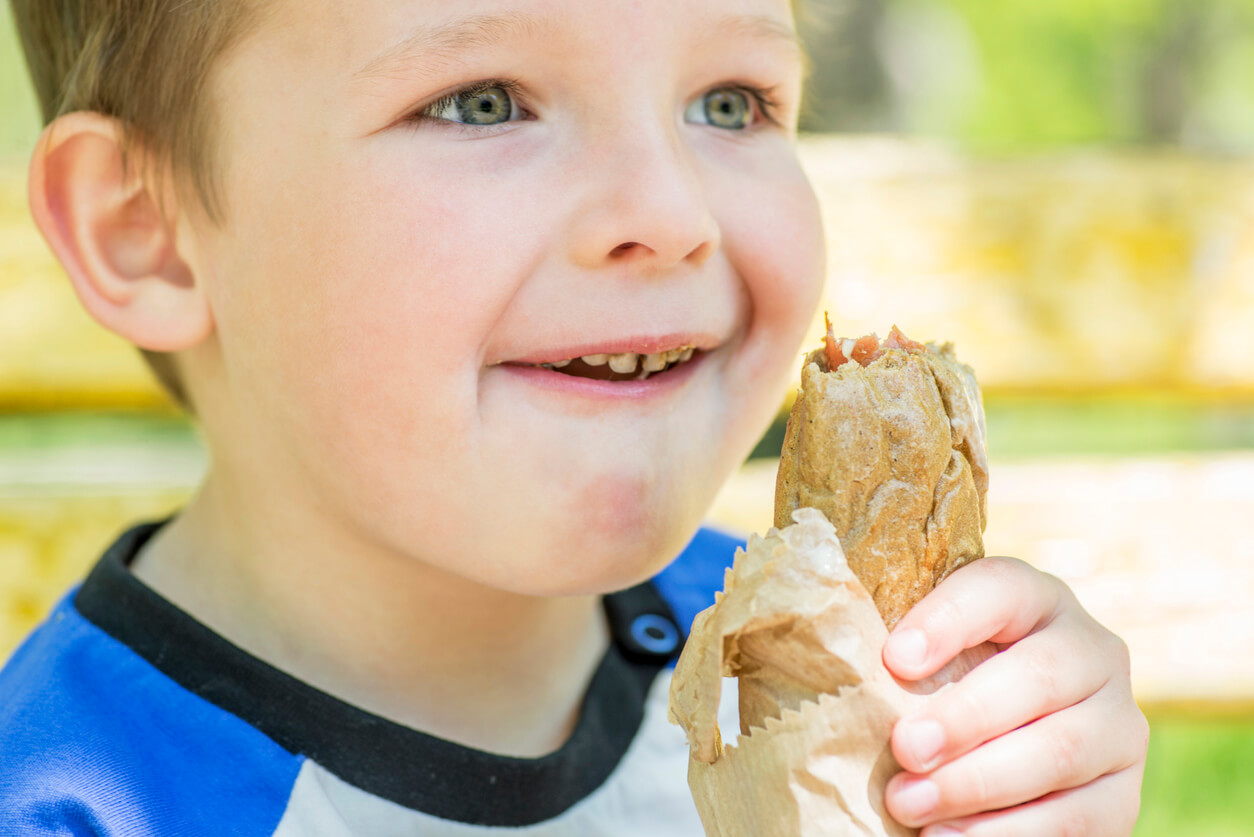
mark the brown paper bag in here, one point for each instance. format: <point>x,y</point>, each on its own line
<point>892,454</point>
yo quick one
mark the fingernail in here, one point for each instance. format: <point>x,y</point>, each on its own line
<point>908,647</point>
<point>917,798</point>
<point>924,739</point>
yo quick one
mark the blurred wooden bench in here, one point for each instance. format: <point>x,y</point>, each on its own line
<point>1158,549</point>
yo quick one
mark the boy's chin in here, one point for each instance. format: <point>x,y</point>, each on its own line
<point>596,553</point>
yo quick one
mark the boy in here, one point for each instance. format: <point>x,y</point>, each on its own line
<point>476,304</point>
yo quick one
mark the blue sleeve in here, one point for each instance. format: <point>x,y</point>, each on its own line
<point>689,583</point>
<point>95,741</point>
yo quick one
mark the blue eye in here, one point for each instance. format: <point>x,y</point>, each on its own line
<point>494,102</point>
<point>732,108</point>
<point>490,103</point>
<point>727,108</point>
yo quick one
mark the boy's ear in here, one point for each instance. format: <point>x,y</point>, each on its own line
<point>108,232</point>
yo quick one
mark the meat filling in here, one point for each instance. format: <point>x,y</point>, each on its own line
<point>864,350</point>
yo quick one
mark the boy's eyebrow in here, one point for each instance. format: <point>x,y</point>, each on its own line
<point>426,49</point>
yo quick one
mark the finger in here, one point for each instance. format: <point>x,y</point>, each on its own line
<point>1065,750</point>
<point>1105,807</point>
<point>1043,673</point>
<point>997,599</point>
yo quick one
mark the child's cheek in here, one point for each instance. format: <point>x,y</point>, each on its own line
<point>785,257</point>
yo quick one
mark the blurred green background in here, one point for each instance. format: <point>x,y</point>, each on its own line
<point>1019,75</point>
<point>1064,188</point>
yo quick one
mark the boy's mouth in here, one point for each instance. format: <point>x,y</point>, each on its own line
<point>626,366</point>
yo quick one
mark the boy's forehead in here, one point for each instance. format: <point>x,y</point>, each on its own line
<point>368,37</point>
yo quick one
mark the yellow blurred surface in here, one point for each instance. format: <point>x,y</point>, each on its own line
<point>49,539</point>
<point>1081,270</point>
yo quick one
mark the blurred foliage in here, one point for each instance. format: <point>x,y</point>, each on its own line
<point>1199,779</point>
<point>1022,74</point>
<point>1041,426</point>
<point>19,112</point>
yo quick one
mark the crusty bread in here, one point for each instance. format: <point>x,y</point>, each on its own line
<point>893,454</point>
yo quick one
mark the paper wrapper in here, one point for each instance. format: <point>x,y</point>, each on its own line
<point>816,704</point>
<point>893,455</point>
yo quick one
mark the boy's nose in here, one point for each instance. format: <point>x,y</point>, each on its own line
<point>642,200</point>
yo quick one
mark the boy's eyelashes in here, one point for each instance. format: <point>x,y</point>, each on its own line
<point>762,97</point>
<point>478,104</point>
<point>484,104</point>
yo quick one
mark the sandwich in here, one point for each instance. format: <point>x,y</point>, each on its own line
<point>887,440</point>
<point>881,493</point>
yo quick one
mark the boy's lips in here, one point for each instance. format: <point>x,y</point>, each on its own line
<point>629,367</point>
<point>641,346</point>
<point>618,387</point>
<point>619,360</point>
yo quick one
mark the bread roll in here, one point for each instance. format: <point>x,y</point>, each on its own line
<point>888,441</point>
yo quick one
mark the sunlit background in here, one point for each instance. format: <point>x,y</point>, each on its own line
<point>1065,188</point>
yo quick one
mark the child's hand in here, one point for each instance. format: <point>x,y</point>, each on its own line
<point>1045,736</point>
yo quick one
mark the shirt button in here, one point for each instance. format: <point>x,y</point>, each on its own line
<point>655,634</point>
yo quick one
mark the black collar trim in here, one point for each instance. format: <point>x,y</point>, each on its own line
<point>389,760</point>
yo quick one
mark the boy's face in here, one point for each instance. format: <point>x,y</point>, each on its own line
<point>382,284</point>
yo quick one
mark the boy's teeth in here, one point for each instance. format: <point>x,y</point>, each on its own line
<point>656,363</point>
<point>624,364</point>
